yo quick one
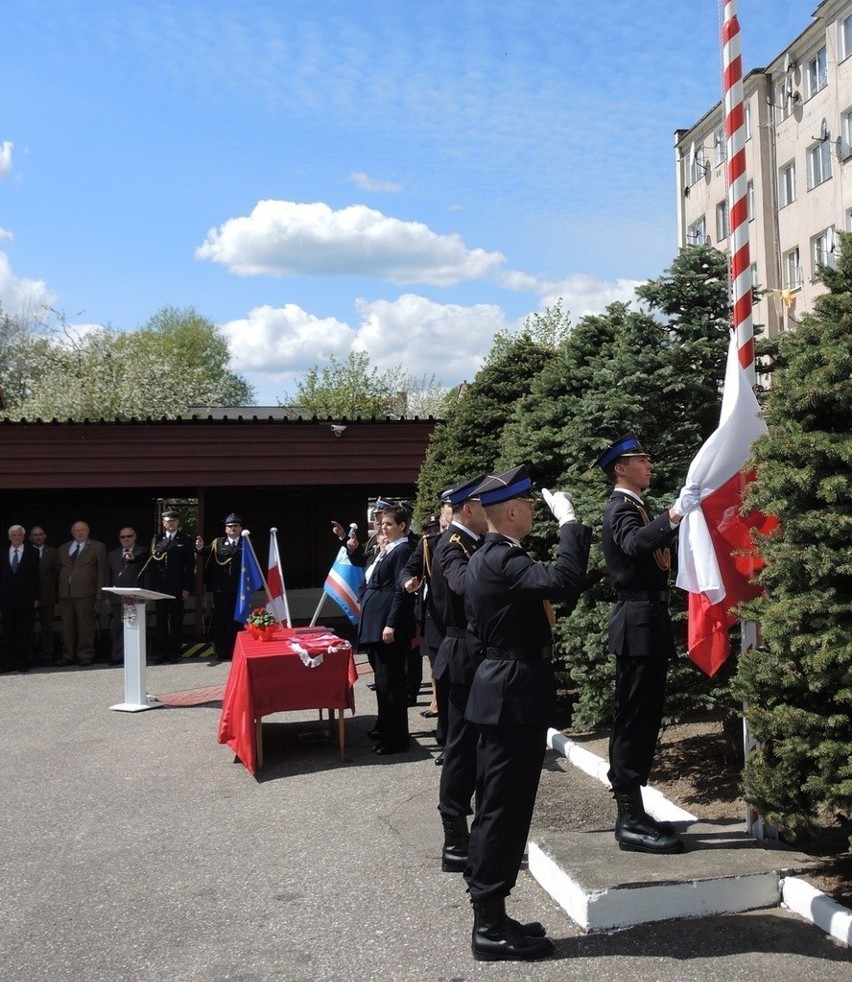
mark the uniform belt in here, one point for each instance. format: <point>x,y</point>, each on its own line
<point>519,654</point>
<point>660,596</point>
<point>456,632</point>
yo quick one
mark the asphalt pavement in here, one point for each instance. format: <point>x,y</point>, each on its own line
<point>136,848</point>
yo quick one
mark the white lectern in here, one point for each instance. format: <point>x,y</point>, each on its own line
<point>136,698</point>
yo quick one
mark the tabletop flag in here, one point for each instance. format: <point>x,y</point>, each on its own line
<point>277,606</point>
<point>251,580</point>
<point>343,585</point>
<point>717,558</point>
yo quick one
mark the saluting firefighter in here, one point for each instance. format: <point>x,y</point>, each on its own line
<point>171,569</point>
<point>222,562</point>
<point>635,547</point>
<point>513,696</point>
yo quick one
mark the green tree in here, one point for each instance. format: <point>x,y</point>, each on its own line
<point>176,361</point>
<point>798,683</point>
<point>354,388</point>
<point>469,441</point>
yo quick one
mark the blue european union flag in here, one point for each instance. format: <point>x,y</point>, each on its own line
<point>251,579</point>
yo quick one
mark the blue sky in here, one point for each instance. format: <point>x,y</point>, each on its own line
<point>394,176</point>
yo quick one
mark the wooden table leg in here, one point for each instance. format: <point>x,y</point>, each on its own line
<point>258,742</point>
<point>341,731</point>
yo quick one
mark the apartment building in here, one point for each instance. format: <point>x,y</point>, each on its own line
<point>798,118</point>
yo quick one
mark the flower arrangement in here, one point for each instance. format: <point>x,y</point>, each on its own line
<point>260,617</point>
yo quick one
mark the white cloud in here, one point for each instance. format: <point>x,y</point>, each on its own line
<point>285,238</point>
<point>581,294</point>
<point>367,183</point>
<point>5,158</point>
<point>19,296</point>
<point>274,346</point>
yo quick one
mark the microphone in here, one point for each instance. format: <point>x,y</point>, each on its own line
<point>353,528</point>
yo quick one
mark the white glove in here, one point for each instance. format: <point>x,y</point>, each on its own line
<point>688,499</point>
<point>561,505</point>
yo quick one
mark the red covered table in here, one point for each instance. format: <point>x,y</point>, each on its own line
<point>298,669</point>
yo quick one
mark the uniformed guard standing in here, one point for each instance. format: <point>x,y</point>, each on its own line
<point>171,570</point>
<point>455,666</point>
<point>635,548</point>
<point>222,562</point>
<point>513,696</point>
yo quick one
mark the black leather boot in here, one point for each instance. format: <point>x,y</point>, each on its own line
<point>456,839</point>
<point>637,832</point>
<point>667,828</point>
<point>496,938</point>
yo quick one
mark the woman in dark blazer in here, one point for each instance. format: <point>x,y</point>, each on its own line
<point>385,631</point>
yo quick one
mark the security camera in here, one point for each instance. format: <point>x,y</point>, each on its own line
<point>337,429</point>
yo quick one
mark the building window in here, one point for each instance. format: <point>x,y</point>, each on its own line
<point>822,251</point>
<point>849,219</point>
<point>844,30</point>
<point>719,146</point>
<point>819,163</point>
<point>696,234</point>
<point>721,221</point>
<point>816,75</point>
<point>792,270</point>
<point>787,184</point>
<point>747,121</point>
<point>845,148</point>
<point>698,166</point>
<point>750,200</point>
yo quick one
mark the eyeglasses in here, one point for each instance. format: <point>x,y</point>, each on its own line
<point>127,537</point>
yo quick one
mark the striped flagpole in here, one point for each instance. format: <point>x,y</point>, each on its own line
<point>740,262</point>
<point>741,286</point>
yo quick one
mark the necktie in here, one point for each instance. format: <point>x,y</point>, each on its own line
<point>15,560</point>
<point>75,553</point>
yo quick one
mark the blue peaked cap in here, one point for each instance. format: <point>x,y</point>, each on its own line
<point>459,493</point>
<point>514,483</point>
<point>627,445</point>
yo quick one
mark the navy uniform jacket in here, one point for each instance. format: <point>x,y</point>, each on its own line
<point>384,602</point>
<point>455,547</point>
<point>635,553</point>
<point>431,626</point>
<point>504,599</point>
<point>222,565</point>
<point>172,567</point>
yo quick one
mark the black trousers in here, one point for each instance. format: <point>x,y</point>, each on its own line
<point>169,626</point>
<point>458,775</point>
<point>391,695</point>
<point>17,637</point>
<point>223,627</point>
<point>640,694</point>
<point>509,761</point>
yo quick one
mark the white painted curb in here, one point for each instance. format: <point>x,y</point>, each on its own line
<point>797,895</point>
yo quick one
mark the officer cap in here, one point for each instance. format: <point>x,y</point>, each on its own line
<point>627,445</point>
<point>171,513</point>
<point>459,493</point>
<point>233,519</point>
<point>381,505</point>
<point>430,522</point>
<point>514,483</point>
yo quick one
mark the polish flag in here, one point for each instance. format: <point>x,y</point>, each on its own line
<point>717,561</point>
<point>277,605</point>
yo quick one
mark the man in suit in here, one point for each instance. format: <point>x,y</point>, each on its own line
<point>81,576</point>
<point>48,568</point>
<point>222,561</point>
<point>455,666</point>
<point>124,566</point>
<point>172,570</point>
<point>19,593</point>
<point>638,560</point>
<point>513,696</point>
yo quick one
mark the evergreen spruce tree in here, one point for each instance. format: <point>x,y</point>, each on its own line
<point>798,683</point>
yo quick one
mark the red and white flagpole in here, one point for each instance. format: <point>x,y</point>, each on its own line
<point>735,133</point>
<point>741,279</point>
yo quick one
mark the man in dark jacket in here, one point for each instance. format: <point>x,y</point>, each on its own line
<point>171,570</point>
<point>638,560</point>
<point>513,696</point>
<point>222,562</point>
<point>19,593</point>
<point>124,568</point>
